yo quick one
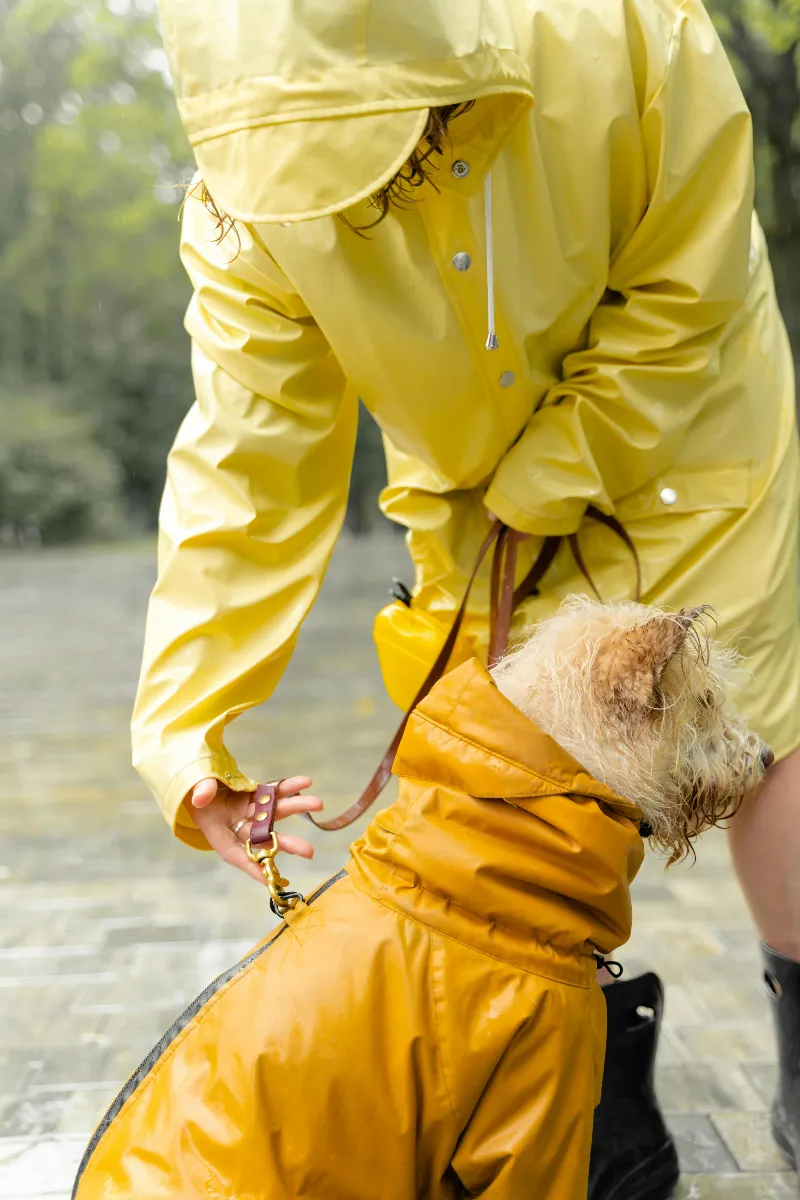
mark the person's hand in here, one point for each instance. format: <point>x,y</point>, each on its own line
<point>225,817</point>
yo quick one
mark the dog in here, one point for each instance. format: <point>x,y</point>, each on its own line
<point>642,698</point>
<point>428,1023</point>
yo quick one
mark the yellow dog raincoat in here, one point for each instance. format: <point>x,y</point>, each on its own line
<point>428,1024</point>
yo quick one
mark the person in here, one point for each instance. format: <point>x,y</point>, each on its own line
<point>522,233</point>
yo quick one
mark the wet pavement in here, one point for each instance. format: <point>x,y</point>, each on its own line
<point>108,926</point>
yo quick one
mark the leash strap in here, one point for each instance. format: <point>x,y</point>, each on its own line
<point>530,584</point>
<point>619,529</point>
<point>504,599</point>
<point>381,777</point>
<point>266,796</point>
<point>504,570</point>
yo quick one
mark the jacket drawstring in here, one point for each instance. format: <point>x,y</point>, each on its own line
<point>491,338</point>
<point>608,964</point>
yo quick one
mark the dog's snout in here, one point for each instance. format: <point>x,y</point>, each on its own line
<point>767,757</point>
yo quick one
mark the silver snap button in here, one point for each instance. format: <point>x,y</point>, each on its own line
<point>507,379</point>
<point>227,776</point>
<point>462,261</point>
<point>668,495</point>
<point>460,168</point>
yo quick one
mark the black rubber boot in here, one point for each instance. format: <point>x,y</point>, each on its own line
<point>782,977</point>
<point>633,1154</point>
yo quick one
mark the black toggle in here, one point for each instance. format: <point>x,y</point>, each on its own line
<point>608,963</point>
<point>399,591</point>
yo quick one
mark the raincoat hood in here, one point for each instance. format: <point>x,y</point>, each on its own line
<point>297,112</point>
<point>499,837</point>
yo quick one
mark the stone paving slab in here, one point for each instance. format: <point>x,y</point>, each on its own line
<point>109,930</point>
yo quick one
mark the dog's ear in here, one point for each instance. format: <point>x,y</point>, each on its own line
<point>630,662</point>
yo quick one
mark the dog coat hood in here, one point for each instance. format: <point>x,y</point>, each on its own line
<point>499,837</point>
<point>428,1023</point>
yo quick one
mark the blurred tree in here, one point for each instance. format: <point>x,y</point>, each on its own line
<point>90,289</point>
<point>763,40</point>
<point>57,483</point>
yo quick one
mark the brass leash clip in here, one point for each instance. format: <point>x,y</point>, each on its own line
<point>280,900</point>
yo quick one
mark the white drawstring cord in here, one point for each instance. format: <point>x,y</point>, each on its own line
<point>491,339</point>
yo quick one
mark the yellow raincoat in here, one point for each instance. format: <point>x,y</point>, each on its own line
<point>429,1023</point>
<point>594,209</point>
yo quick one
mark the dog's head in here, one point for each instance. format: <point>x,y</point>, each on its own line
<point>640,697</point>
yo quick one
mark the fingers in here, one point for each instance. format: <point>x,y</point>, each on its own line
<point>235,855</point>
<point>227,823</point>
<point>213,822</point>
<point>204,792</point>
<point>289,804</point>
<point>289,787</point>
<point>295,845</point>
<point>232,850</point>
<point>297,804</point>
<point>242,827</point>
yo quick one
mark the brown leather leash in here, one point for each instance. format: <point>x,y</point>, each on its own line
<point>266,799</point>
<point>381,777</point>
<point>262,846</point>
<point>505,598</point>
<point>619,529</point>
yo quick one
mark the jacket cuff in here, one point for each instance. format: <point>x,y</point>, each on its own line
<point>219,766</point>
<point>524,520</point>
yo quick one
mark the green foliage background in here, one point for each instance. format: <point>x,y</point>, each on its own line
<point>94,374</point>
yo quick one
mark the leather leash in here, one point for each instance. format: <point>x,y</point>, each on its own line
<point>262,846</point>
<point>266,797</point>
<point>381,777</point>
<point>504,600</point>
<point>619,529</point>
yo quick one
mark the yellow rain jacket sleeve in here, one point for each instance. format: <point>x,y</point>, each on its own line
<point>625,402</point>
<point>257,485</point>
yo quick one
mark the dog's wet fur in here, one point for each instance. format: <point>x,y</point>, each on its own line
<point>642,699</point>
